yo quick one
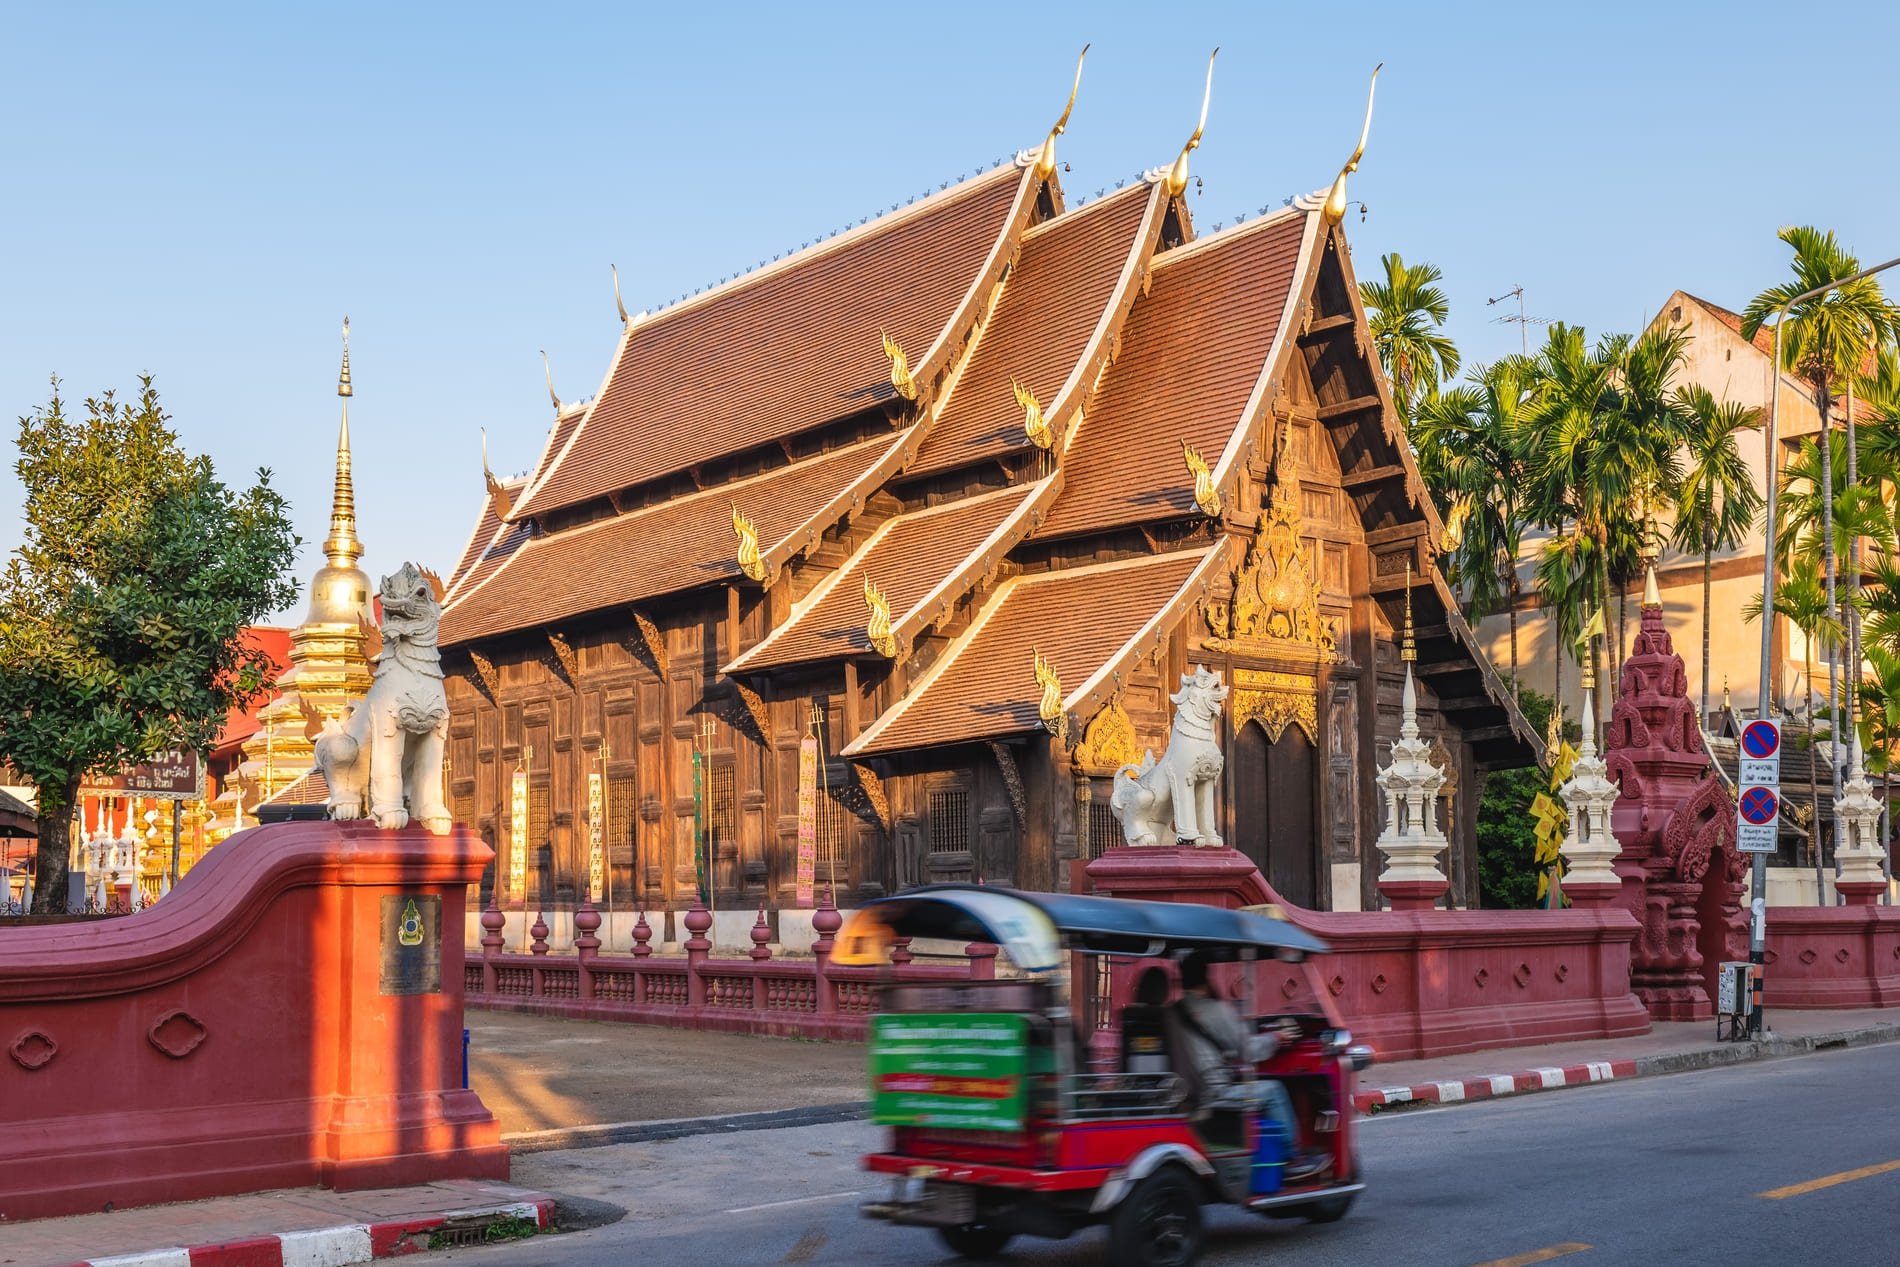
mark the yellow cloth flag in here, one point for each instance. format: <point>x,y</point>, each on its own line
<point>1552,819</point>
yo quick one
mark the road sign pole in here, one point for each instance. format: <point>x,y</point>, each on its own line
<point>1758,814</point>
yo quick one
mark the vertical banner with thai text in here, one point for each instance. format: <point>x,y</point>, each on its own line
<point>807,818</point>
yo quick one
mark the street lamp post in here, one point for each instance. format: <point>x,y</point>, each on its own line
<point>1758,879</point>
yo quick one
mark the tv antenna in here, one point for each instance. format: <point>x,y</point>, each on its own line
<point>1522,322</point>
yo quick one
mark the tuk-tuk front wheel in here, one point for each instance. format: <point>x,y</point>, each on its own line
<point>974,1240</point>
<point>1159,1223</point>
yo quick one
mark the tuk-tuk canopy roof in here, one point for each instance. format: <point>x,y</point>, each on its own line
<point>1030,925</point>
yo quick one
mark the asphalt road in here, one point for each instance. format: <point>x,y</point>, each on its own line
<point>1682,1169</point>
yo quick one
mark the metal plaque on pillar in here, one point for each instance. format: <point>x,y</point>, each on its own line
<point>411,943</point>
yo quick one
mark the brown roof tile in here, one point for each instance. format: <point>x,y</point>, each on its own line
<point>789,348</point>
<point>1193,352</point>
<point>660,549</point>
<point>1064,281</point>
<point>911,558</point>
<point>1086,621</point>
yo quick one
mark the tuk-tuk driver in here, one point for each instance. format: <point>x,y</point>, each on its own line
<point>1217,1038</point>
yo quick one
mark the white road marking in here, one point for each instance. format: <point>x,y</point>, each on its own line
<point>774,1205</point>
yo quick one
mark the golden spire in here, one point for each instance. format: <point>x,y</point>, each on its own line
<point>1652,597</point>
<point>1336,198</point>
<point>901,381</point>
<point>1035,426</point>
<point>1593,628</point>
<point>750,562</point>
<point>1046,162</point>
<point>617,302</point>
<point>1206,496</point>
<point>1178,174</point>
<point>342,549</point>
<point>1408,647</point>
<point>548,370</point>
<point>1049,707</point>
<point>879,628</point>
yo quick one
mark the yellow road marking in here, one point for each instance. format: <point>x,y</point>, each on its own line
<point>1828,1181</point>
<point>1538,1255</point>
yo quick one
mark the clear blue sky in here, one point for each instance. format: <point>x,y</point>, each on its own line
<point>203,191</point>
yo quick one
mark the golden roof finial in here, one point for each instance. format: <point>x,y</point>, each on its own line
<point>1206,496</point>
<point>1336,198</point>
<point>496,490</point>
<point>1049,707</point>
<point>749,560</point>
<point>1408,647</point>
<point>343,387</point>
<point>548,370</point>
<point>1046,161</point>
<point>342,549</point>
<point>617,301</point>
<point>883,641</point>
<point>901,381</point>
<point>1178,174</point>
<point>1034,424</point>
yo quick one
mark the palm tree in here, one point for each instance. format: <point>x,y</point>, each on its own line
<point>1827,340</point>
<point>1801,600</point>
<point>1405,313</point>
<point>1717,501</point>
<point>1467,438</point>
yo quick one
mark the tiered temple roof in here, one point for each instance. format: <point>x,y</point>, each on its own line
<point>774,397</point>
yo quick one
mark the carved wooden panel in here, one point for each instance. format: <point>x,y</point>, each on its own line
<point>511,725</point>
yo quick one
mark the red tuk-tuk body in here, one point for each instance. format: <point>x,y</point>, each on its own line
<point>1001,1125</point>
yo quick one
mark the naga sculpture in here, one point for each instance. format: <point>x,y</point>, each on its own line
<point>388,755</point>
<point>1179,788</point>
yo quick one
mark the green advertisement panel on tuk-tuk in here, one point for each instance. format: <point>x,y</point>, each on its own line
<point>950,1070</point>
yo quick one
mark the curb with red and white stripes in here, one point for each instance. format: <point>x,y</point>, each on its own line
<point>1495,1085</point>
<point>332,1246</point>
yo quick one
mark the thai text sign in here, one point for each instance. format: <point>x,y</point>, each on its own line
<point>807,818</point>
<point>1758,798</point>
<point>951,1070</point>
<point>173,775</point>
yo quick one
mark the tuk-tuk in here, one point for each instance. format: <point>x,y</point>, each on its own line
<point>1013,1113</point>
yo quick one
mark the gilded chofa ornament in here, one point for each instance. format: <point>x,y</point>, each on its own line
<point>1178,174</point>
<point>883,641</point>
<point>748,556</point>
<point>1336,196</point>
<point>1046,160</point>
<point>1276,587</point>
<point>901,381</point>
<point>1049,707</point>
<point>1206,496</point>
<point>497,491</point>
<point>1035,426</point>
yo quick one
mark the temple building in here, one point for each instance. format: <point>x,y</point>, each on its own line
<point>955,498</point>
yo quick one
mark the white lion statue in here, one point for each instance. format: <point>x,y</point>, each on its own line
<point>390,749</point>
<point>1179,788</point>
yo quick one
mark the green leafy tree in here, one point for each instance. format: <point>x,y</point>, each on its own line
<point>1506,841</point>
<point>1406,313</point>
<point>1467,437</point>
<point>120,613</point>
<point>1717,501</point>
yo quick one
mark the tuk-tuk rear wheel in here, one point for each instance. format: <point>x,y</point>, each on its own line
<point>974,1240</point>
<point>1159,1223</point>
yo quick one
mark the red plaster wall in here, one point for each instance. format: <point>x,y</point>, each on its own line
<point>1423,983</point>
<point>1832,956</point>
<point>287,1065</point>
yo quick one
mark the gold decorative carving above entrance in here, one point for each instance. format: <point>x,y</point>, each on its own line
<point>1276,700</point>
<point>1276,588</point>
<point>1108,741</point>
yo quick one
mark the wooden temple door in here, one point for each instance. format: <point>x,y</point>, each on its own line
<point>1276,814</point>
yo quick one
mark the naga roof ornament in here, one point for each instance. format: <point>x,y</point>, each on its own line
<point>1336,197</point>
<point>1206,496</point>
<point>1049,706</point>
<point>748,556</point>
<point>1046,160</point>
<point>548,370</point>
<point>883,641</point>
<point>618,303</point>
<point>1178,174</point>
<point>901,381</point>
<point>1035,426</point>
<point>497,491</point>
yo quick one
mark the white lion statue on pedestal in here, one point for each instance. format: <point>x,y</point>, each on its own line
<point>1179,788</point>
<point>390,749</point>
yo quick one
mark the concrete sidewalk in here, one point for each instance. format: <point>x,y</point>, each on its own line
<point>301,1227</point>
